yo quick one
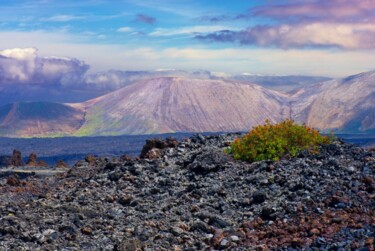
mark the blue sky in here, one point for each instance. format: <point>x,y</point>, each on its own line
<point>313,37</point>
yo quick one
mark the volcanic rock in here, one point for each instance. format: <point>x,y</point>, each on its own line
<point>152,148</point>
<point>61,164</point>
<point>259,197</point>
<point>194,196</point>
<point>16,159</point>
<point>125,158</point>
<point>90,159</point>
<point>153,153</point>
<point>32,162</point>
<point>42,163</point>
<point>13,180</point>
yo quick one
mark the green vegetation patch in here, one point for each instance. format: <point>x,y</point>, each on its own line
<point>274,141</point>
<point>94,122</point>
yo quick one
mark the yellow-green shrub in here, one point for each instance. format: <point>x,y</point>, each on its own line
<point>273,141</point>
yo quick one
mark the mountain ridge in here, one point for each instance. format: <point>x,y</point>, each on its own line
<point>343,105</point>
<point>39,119</point>
<point>180,104</point>
<point>183,104</point>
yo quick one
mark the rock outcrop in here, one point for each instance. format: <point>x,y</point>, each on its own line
<point>32,162</point>
<point>16,159</point>
<point>41,163</point>
<point>196,197</point>
<point>61,164</point>
<point>152,148</point>
<point>13,180</point>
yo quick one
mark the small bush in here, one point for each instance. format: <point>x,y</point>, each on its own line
<point>273,141</point>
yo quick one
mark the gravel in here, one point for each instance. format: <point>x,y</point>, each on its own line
<point>190,195</point>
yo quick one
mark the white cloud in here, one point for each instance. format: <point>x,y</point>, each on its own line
<point>344,35</point>
<point>62,18</point>
<point>103,57</point>
<point>20,54</point>
<point>17,65</point>
<point>104,78</point>
<point>188,30</point>
<point>125,29</point>
<point>24,66</point>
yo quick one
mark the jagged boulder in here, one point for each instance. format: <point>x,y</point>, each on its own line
<point>32,162</point>
<point>16,159</point>
<point>42,163</point>
<point>13,180</point>
<point>153,153</point>
<point>209,161</point>
<point>61,164</point>
<point>171,142</point>
<point>152,148</point>
<point>125,158</point>
<point>90,159</point>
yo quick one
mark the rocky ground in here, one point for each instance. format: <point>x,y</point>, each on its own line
<point>190,195</point>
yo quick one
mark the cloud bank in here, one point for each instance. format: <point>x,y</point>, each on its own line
<point>344,24</point>
<point>24,66</point>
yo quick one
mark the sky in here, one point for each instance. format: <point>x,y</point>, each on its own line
<point>45,40</point>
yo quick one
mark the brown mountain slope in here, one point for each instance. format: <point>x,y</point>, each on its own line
<point>37,119</point>
<point>346,105</point>
<point>172,104</point>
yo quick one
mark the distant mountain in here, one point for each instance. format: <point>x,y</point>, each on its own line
<point>92,86</point>
<point>113,80</point>
<point>345,105</point>
<point>98,84</point>
<point>185,104</point>
<point>39,119</point>
<point>174,104</point>
<point>280,83</point>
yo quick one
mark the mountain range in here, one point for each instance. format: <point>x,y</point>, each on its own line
<point>188,104</point>
<point>101,83</point>
<point>344,105</point>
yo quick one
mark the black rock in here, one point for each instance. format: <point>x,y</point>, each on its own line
<point>194,196</point>
<point>210,161</point>
<point>259,197</point>
<point>268,213</point>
